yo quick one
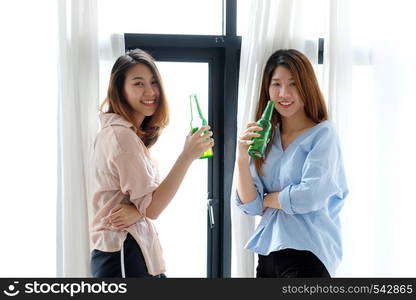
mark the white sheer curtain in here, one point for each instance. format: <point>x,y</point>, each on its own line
<point>368,79</point>
<point>272,24</point>
<point>78,103</point>
<point>371,73</point>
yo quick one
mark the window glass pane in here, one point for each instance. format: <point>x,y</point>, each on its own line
<point>160,16</point>
<point>243,8</point>
<point>182,226</point>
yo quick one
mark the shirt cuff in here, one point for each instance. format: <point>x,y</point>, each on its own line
<point>253,208</point>
<point>285,201</point>
<point>143,203</point>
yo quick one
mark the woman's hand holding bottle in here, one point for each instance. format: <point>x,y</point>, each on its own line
<point>196,144</point>
<point>245,140</point>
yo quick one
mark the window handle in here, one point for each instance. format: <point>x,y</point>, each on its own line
<point>211,217</point>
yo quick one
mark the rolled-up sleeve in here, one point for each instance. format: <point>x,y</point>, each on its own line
<point>137,179</point>
<point>255,207</point>
<point>320,181</point>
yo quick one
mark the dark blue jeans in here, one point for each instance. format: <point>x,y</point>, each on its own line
<point>108,264</point>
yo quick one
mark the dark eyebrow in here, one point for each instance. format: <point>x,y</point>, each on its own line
<point>141,78</point>
<point>278,79</point>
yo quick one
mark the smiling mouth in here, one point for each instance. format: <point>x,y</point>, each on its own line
<point>149,102</point>
<point>285,104</point>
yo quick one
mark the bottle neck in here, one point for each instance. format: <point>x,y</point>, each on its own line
<point>268,112</point>
<point>196,112</point>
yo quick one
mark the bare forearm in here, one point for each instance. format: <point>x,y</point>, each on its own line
<point>168,188</point>
<point>245,186</point>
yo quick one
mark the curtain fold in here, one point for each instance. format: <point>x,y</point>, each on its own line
<point>86,56</point>
<point>371,77</point>
<point>77,127</point>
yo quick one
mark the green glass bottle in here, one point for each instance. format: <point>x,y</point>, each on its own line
<point>198,120</point>
<point>258,147</point>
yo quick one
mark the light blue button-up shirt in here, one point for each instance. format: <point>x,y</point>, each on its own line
<point>309,176</point>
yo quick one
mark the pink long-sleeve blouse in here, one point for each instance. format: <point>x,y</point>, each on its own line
<point>124,173</point>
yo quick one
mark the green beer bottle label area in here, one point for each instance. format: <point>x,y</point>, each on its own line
<point>258,148</point>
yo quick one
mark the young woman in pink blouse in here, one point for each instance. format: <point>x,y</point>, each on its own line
<point>128,191</point>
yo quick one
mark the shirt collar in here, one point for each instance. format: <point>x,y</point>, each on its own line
<point>109,119</point>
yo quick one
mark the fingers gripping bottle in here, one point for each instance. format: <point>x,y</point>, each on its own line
<point>258,147</point>
<point>198,120</point>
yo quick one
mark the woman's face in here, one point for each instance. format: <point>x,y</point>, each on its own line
<point>142,91</point>
<point>284,93</point>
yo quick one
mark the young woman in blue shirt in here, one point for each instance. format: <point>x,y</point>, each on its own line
<point>299,186</point>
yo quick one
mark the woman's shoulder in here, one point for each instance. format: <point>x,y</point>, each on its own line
<point>325,135</point>
<point>325,129</point>
<point>118,136</point>
<point>127,140</point>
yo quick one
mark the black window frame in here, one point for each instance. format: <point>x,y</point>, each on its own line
<point>222,52</point>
